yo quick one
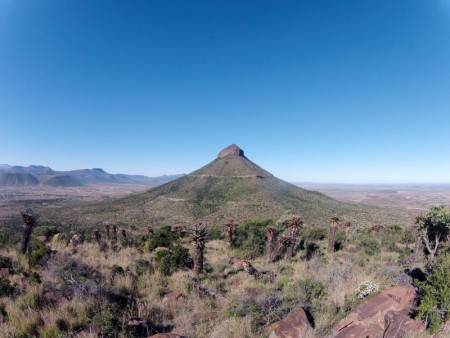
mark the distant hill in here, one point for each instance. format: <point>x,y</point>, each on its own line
<point>61,181</point>
<point>230,187</point>
<point>41,175</point>
<point>18,179</point>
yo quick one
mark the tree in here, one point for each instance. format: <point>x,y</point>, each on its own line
<point>28,223</point>
<point>434,306</point>
<point>198,240</point>
<point>434,227</point>
<point>228,228</point>
<point>332,233</point>
<point>271,234</point>
<point>295,223</point>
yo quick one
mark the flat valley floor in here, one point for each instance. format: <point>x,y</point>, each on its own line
<point>414,198</point>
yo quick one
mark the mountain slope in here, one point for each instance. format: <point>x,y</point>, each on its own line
<point>231,186</point>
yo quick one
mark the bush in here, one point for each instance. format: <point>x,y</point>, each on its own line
<point>39,256</point>
<point>6,289</point>
<point>163,237</point>
<point>314,234</point>
<point>5,262</point>
<point>369,246</point>
<point>434,304</point>
<point>47,231</point>
<point>141,266</point>
<point>250,237</point>
<point>106,320</point>
<point>117,270</point>
<point>308,291</point>
<point>169,260</point>
<point>263,310</point>
<point>215,231</point>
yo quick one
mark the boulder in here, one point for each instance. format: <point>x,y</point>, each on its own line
<point>399,325</point>
<point>293,325</point>
<point>388,311</point>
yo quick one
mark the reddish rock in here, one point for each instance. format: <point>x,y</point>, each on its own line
<point>386,312</point>
<point>292,326</point>
<point>231,150</point>
<point>166,335</point>
<point>173,297</point>
<point>5,272</point>
<point>399,325</point>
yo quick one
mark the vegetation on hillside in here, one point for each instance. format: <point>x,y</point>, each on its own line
<point>126,281</point>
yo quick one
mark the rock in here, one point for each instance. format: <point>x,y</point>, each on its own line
<point>387,311</point>
<point>173,297</point>
<point>292,326</point>
<point>399,325</point>
<point>231,150</point>
<point>166,335</point>
<point>5,272</point>
<point>42,239</point>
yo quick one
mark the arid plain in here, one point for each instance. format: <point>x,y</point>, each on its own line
<point>415,198</point>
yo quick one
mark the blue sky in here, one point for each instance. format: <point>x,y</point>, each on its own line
<point>323,91</point>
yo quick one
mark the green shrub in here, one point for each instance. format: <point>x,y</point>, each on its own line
<point>169,260</point>
<point>250,237</point>
<point>47,231</point>
<point>39,256</point>
<point>369,246</point>
<point>163,237</point>
<point>263,310</point>
<point>434,304</point>
<point>314,234</point>
<point>215,231</point>
<point>109,324</point>
<point>308,291</point>
<point>142,266</point>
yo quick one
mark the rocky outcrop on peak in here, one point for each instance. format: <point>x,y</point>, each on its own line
<point>231,150</point>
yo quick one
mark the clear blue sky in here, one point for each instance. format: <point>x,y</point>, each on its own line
<point>325,91</point>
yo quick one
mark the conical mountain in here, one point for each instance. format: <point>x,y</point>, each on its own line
<point>230,187</point>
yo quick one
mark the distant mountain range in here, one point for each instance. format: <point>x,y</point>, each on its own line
<point>34,175</point>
